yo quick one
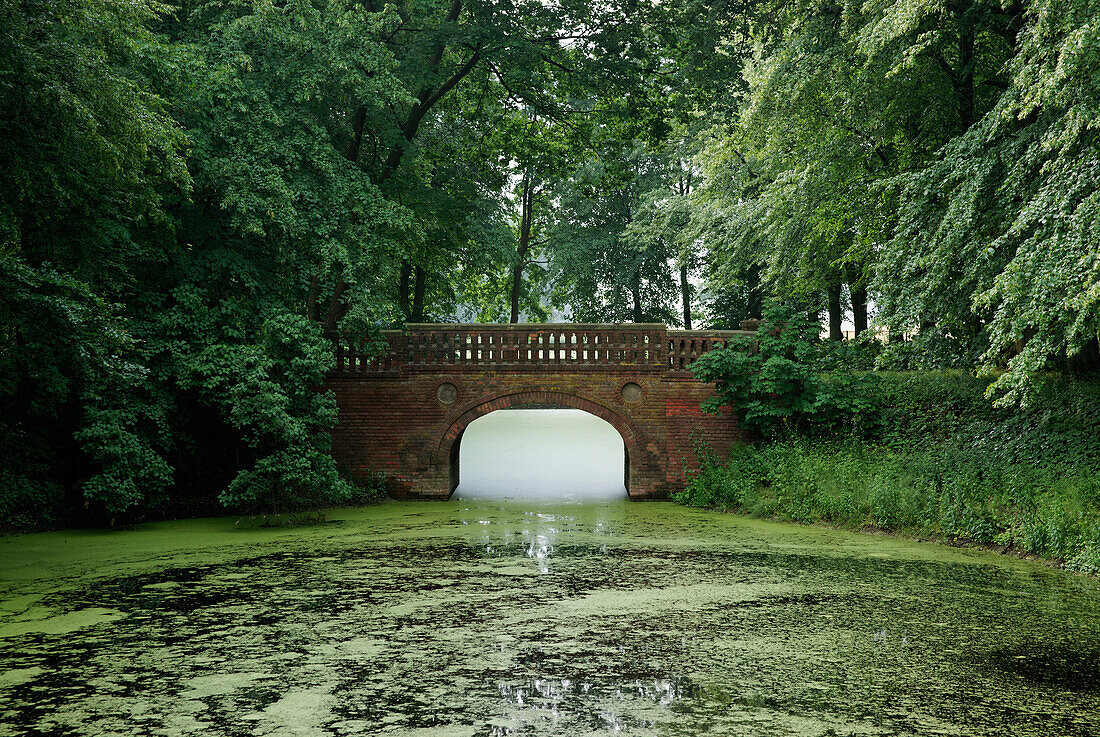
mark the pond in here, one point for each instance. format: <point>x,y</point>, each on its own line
<point>483,617</point>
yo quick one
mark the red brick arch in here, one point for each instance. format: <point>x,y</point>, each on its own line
<point>448,448</point>
<point>401,414</point>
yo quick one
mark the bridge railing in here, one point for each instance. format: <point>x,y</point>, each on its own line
<point>684,346</point>
<point>642,345</point>
<point>554,345</point>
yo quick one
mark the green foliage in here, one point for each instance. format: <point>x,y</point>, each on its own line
<point>605,270</point>
<point>940,155</point>
<point>269,393</point>
<point>68,362</point>
<point>87,148</point>
<point>772,380</point>
<point>943,462</point>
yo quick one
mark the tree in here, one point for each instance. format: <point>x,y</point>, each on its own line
<point>996,238</point>
<point>88,154</point>
<point>603,273</point>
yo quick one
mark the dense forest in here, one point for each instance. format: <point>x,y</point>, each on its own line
<point>192,192</point>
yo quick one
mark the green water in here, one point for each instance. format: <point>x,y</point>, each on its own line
<point>483,618</point>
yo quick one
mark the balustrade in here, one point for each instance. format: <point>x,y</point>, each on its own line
<point>643,345</point>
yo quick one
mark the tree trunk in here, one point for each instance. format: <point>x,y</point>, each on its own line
<point>685,295</point>
<point>336,308</point>
<point>755,300</point>
<point>403,290</point>
<point>835,313</point>
<point>517,278</point>
<point>965,91</point>
<point>527,199</point>
<point>859,308</point>
<point>418,295</point>
<point>637,297</point>
<point>358,118</point>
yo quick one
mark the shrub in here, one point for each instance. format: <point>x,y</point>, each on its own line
<point>773,384</point>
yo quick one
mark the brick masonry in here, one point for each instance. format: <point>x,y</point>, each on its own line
<point>404,413</point>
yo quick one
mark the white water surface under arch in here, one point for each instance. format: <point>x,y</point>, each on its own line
<point>564,454</point>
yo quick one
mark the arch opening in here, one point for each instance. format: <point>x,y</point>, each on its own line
<point>553,451</point>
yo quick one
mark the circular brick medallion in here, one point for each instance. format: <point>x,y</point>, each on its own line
<point>632,393</point>
<point>447,392</point>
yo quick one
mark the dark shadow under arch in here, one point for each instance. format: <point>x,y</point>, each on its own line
<point>451,441</point>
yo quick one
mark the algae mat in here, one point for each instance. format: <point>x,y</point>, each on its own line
<point>491,618</point>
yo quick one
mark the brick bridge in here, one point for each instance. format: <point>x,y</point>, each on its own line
<point>404,412</point>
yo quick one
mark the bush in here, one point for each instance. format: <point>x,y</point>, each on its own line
<point>943,461</point>
<point>269,394</point>
<point>773,384</point>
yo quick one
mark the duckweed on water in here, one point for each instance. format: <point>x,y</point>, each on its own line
<point>492,618</point>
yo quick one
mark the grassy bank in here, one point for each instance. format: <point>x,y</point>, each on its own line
<point>935,459</point>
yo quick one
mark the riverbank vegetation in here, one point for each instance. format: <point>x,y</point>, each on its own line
<point>193,193</point>
<point>920,453</point>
